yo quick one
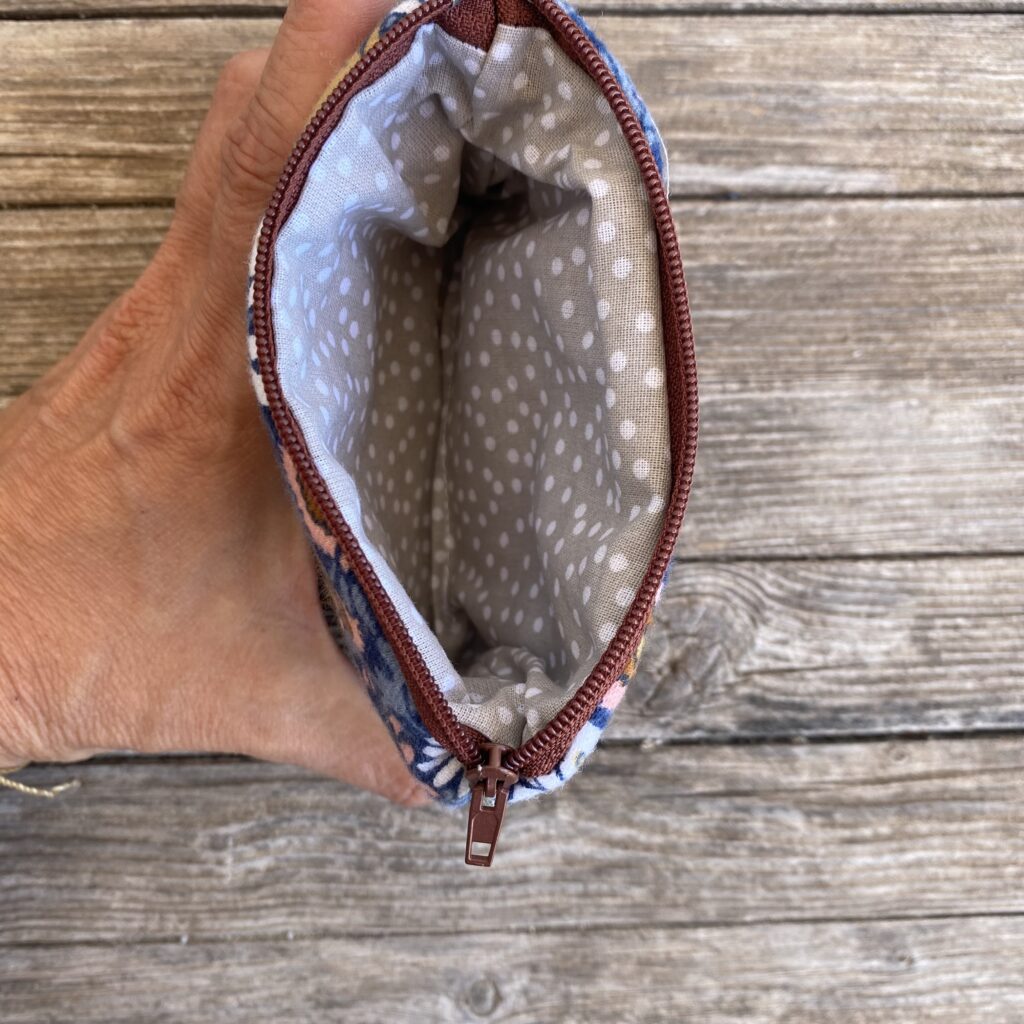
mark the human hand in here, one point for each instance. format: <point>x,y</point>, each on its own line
<point>156,592</point>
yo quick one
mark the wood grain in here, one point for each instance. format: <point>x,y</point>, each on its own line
<point>860,363</point>
<point>844,355</point>
<point>882,972</point>
<point>753,105</point>
<point>669,836</point>
<point>809,648</point>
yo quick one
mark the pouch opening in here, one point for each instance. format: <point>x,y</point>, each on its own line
<point>467,309</point>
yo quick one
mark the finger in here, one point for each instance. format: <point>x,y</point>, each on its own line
<point>235,89</point>
<point>314,39</point>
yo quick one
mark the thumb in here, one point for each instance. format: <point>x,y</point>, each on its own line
<point>314,39</point>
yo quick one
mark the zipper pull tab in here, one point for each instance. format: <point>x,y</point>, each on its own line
<point>491,783</point>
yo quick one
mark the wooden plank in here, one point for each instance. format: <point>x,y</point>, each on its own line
<point>860,363</point>
<point>103,110</point>
<point>829,648</point>
<point>784,292</point>
<point>759,104</point>
<point>833,104</point>
<point>917,469</point>
<point>929,972</point>
<point>860,383</point>
<point>663,837</point>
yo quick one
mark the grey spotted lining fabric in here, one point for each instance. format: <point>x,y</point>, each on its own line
<point>467,309</point>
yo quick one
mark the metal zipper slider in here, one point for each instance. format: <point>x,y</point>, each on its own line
<point>491,783</point>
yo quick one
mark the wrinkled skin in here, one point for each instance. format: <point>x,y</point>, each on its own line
<point>156,593</point>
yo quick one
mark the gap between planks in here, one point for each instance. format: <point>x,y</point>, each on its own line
<point>695,10</point>
<point>611,741</point>
<point>212,939</point>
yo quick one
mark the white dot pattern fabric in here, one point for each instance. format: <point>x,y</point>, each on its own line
<point>467,308</point>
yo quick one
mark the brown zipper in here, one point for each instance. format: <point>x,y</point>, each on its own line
<point>491,782</point>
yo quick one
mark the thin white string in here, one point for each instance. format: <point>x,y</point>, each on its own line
<point>50,793</point>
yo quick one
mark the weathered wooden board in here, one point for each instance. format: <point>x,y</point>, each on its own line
<point>845,352</point>
<point>916,470</point>
<point>104,110</point>
<point>861,363</point>
<point>924,972</point>
<point>806,648</point>
<point>677,835</point>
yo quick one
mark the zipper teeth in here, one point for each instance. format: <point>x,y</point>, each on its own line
<point>611,664</point>
<point>457,739</point>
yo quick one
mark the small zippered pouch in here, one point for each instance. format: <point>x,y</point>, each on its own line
<point>470,337</point>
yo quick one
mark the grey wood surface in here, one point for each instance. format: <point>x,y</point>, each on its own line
<point>928,972</point>
<point>848,182</point>
<point>755,105</point>
<point>811,648</point>
<point>673,835</point>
